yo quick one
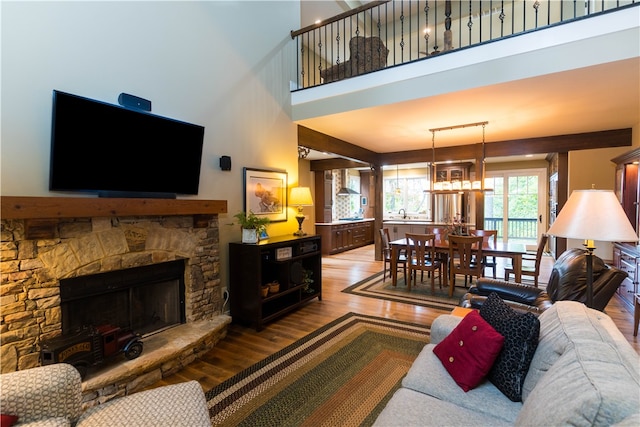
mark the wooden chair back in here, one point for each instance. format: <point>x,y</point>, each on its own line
<point>463,251</point>
<point>528,270</point>
<point>422,257</point>
<point>490,236</point>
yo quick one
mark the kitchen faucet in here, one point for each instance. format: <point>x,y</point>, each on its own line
<point>404,213</point>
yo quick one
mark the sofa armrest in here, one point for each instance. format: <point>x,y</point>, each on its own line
<point>51,391</point>
<point>442,326</point>
<point>182,404</point>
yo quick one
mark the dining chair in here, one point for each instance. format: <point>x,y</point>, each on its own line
<point>441,234</point>
<point>488,236</point>
<point>463,250</point>
<point>401,261</point>
<point>422,257</point>
<point>528,269</point>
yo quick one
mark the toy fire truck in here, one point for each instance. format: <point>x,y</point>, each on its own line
<point>91,346</point>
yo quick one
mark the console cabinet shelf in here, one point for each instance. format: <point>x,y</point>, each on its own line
<point>287,260</point>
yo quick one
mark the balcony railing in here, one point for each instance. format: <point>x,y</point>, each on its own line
<point>384,34</point>
<point>519,228</point>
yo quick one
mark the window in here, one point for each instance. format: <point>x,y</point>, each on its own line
<point>407,191</point>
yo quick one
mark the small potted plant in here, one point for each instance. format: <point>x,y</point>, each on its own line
<point>252,226</point>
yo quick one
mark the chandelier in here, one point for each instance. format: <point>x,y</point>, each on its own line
<point>458,185</point>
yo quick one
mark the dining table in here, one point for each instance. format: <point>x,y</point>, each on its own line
<point>511,250</point>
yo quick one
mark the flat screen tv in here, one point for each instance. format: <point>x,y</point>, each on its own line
<point>120,152</point>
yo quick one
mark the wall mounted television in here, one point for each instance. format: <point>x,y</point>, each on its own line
<point>119,152</point>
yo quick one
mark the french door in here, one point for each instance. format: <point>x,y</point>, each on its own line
<point>517,206</point>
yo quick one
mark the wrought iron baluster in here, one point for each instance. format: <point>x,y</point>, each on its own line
<point>448,42</point>
<point>470,23</point>
<point>502,16</point>
<point>435,30</point>
<point>426,28</point>
<point>401,30</point>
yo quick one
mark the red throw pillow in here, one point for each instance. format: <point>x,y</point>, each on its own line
<point>469,351</point>
<point>7,420</point>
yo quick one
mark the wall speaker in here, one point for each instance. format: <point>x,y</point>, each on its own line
<point>225,163</point>
<point>130,101</point>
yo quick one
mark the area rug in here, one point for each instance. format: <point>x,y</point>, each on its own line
<point>375,287</point>
<point>342,374</point>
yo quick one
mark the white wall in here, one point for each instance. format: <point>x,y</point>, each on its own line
<point>225,65</point>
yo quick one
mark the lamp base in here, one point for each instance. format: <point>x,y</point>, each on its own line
<point>300,219</point>
<point>589,261</point>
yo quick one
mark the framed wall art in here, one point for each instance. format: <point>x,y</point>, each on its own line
<point>265,193</point>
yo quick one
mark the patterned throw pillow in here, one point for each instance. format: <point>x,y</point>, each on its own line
<point>469,351</point>
<point>521,332</point>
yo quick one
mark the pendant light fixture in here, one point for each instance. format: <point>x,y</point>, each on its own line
<point>457,186</point>
<point>398,190</point>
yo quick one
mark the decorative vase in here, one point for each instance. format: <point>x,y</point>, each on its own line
<point>264,290</point>
<point>249,235</point>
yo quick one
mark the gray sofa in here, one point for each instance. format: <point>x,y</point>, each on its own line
<point>583,372</point>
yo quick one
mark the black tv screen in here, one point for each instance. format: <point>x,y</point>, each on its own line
<point>112,150</point>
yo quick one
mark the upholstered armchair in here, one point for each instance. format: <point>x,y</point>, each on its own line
<point>366,54</point>
<point>51,396</point>
<point>566,282</point>
<point>568,279</point>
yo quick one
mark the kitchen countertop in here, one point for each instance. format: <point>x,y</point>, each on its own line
<point>345,221</point>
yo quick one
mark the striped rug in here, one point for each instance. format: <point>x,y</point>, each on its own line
<point>375,287</point>
<point>343,374</point>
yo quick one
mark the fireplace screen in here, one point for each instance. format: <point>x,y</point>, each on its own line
<point>146,299</point>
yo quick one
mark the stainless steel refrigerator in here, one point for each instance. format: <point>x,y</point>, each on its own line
<point>448,206</point>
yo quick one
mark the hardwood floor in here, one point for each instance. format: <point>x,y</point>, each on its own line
<point>244,346</point>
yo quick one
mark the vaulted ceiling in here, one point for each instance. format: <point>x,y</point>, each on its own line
<point>592,98</point>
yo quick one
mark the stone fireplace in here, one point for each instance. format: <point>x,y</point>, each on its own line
<point>146,299</point>
<point>37,255</point>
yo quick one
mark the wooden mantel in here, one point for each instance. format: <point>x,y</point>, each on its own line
<point>17,207</point>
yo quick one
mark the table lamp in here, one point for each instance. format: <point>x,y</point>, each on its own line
<point>593,215</point>
<point>300,197</point>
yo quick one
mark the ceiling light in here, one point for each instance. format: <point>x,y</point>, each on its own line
<point>458,186</point>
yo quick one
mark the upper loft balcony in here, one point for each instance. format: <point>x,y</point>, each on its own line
<point>385,34</point>
<point>531,68</point>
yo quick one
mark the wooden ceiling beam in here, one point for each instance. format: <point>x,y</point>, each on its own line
<point>517,147</point>
<point>321,142</point>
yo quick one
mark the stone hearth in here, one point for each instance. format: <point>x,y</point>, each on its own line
<point>32,267</point>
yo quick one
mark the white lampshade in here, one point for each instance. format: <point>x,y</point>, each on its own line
<point>593,215</point>
<point>300,196</point>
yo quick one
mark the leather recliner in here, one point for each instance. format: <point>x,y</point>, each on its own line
<point>567,281</point>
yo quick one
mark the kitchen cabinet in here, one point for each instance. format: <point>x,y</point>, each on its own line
<point>626,256</point>
<point>400,230</point>
<point>294,262</point>
<point>457,172</point>
<point>343,236</point>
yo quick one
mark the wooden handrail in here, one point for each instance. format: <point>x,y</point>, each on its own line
<point>338,17</point>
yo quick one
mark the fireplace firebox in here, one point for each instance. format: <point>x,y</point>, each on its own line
<point>147,299</point>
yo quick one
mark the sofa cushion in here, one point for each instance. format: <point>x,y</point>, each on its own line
<point>469,351</point>
<point>520,333</point>
<point>428,376</point>
<point>442,327</point>
<point>410,408</point>
<point>566,323</point>
<point>589,384</point>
